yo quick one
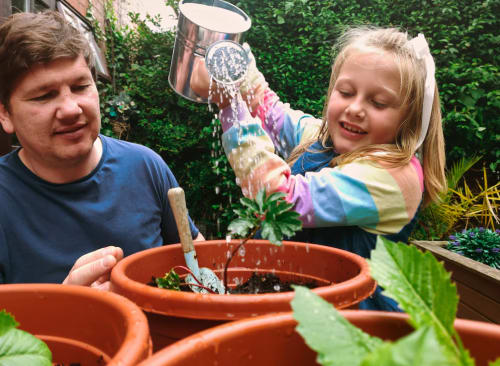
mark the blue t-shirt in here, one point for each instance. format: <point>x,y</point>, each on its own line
<point>45,227</point>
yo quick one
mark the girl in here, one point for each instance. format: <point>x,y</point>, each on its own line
<point>352,175</point>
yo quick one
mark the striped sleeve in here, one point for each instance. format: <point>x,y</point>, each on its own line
<point>363,193</point>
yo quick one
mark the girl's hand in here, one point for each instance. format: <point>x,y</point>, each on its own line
<point>200,83</point>
<point>93,269</point>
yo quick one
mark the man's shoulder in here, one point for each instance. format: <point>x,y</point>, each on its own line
<point>126,148</point>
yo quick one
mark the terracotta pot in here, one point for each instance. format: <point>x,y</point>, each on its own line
<point>80,324</point>
<point>272,340</point>
<point>174,315</point>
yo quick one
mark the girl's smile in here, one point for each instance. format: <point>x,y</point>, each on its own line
<point>365,105</point>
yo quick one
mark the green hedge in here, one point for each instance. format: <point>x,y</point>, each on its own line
<point>292,41</point>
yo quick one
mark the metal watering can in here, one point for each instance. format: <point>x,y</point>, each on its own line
<point>206,27</point>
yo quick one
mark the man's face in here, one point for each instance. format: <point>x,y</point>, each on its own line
<point>54,111</point>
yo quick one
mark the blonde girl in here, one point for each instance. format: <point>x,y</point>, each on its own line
<point>354,174</point>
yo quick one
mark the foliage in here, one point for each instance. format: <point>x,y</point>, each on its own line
<point>269,213</point>
<point>170,281</point>
<point>18,347</point>
<point>140,106</point>
<point>422,287</point>
<point>462,35</point>
<point>460,206</point>
<point>479,244</point>
<point>292,43</point>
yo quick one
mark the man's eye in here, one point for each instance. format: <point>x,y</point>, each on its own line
<point>78,88</point>
<point>43,97</point>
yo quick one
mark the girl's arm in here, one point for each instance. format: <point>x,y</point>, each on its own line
<point>362,193</point>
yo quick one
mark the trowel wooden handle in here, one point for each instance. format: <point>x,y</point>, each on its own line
<point>178,203</point>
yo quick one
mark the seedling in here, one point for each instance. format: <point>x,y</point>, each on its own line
<point>423,289</point>
<point>172,280</point>
<point>271,215</point>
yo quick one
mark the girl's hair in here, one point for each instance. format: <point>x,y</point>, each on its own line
<point>412,80</point>
<point>28,39</point>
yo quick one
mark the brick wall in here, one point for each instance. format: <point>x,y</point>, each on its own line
<point>82,5</point>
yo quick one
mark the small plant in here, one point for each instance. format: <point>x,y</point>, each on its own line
<point>421,286</point>
<point>479,244</point>
<point>18,347</point>
<point>172,281</point>
<point>272,215</point>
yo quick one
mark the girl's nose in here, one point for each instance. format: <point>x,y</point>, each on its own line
<point>68,108</point>
<point>356,109</point>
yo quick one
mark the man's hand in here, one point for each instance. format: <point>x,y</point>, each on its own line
<point>93,269</point>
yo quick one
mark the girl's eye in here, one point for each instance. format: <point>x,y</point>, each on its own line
<point>379,104</point>
<point>345,93</point>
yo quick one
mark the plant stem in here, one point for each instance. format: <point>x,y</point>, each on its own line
<point>234,253</point>
<point>198,284</point>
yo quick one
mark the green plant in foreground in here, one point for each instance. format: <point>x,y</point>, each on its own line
<point>18,347</point>
<point>421,286</point>
<point>479,244</point>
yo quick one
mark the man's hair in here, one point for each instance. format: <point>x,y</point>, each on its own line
<point>28,39</point>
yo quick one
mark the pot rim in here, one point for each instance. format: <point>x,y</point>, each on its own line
<point>218,334</point>
<point>136,344</point>
<point>229,307</point>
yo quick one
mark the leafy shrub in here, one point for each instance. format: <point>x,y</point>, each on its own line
<point>479,244</point>
<point>460,206</point>
<point>292,42</point>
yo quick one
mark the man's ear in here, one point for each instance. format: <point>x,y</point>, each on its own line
<point>5,121</point>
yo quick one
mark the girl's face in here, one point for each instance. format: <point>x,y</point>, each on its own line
<point>365,106</point>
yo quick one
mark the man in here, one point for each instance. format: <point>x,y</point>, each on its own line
<point>68,190</point>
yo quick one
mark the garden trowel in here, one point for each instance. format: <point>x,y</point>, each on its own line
<point>203,275</point>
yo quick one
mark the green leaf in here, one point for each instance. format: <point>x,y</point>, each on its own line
<point>7,322</point>
<point>259,199</point>
<point>336,341</point>
<point>421,347</point>
<point>272,232</point>
<point>496,363</point>
<point>19,348</point>
<point>170,281</point>
<point>422,287</point>
<point>240,226</point>
<point>247,202</point>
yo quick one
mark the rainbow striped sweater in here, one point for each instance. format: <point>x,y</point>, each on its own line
<point>363,193</point>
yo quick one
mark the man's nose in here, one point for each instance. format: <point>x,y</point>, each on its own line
<point>68,107</point>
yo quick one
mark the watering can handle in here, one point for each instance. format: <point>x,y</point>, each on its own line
<point>178,203</point>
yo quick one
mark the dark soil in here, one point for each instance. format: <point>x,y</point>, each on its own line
<point>258,284</point>
<point>267,283</point>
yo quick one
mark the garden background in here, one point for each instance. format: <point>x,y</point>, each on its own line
<point>292,42</point>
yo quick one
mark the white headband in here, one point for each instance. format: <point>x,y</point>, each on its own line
<point>421,48</point>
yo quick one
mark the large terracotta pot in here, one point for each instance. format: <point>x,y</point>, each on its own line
<point>173,315</point>
<point>79,324</point>
<point>272,340</point>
